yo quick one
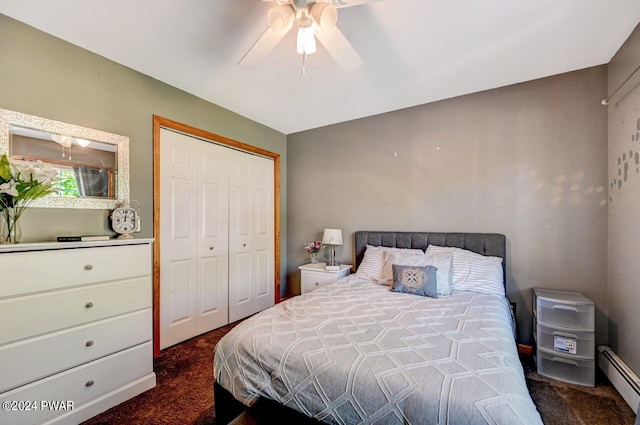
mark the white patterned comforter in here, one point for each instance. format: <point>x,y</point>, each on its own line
<point>352,352</point>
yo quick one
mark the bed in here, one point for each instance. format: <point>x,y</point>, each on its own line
<point>355,352</point>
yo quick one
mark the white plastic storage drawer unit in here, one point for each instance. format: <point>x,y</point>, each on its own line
<point>564,333</point>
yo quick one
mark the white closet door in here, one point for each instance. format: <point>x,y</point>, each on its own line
<point>251,235</point>
<point>193,237</point>
<point>178,238</point>
<point>213,237</point>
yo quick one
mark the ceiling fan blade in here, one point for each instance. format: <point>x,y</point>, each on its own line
<point>261,49</point>
<point>348,3</point>
<point>339,47</point>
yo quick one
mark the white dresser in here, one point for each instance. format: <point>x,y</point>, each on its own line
<point>75,328</point>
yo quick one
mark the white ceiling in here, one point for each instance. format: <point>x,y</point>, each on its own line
<point>414,51</point>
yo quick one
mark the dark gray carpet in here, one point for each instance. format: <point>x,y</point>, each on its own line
<point>562,403</point>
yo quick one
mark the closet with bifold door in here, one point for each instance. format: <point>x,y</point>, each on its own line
<point>216,235</point>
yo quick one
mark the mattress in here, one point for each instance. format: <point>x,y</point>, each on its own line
<point>353,352</point>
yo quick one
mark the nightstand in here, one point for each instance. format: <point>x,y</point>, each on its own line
<point>314,275</point>
<point>564,333</point>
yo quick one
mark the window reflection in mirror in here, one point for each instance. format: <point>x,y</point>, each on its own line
<point>93,164</point>
<point>86,168</point>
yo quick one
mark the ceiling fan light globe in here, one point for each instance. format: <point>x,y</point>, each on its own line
<point>306,42</point>
<point>281,18</point>
<point>64,141</point>
<point>83,142</point>
<point>324,15</point>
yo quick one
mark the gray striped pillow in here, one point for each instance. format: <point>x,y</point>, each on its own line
<point>474,272</point>
<point>372,264</point>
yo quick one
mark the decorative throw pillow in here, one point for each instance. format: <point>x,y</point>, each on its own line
<point>440,260</point>
<point>417,280</point>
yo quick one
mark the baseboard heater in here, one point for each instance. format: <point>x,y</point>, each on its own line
<point>621,376</point>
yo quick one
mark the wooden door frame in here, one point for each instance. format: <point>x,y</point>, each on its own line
<point>160,122</point>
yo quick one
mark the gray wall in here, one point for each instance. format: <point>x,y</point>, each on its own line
<point>45,76</point>
<point>624,209</point>
<point>527,160</point>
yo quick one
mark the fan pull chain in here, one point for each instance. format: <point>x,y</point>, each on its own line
<point>304,60</point>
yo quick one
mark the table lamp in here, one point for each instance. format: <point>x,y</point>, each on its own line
<point>332,237</point>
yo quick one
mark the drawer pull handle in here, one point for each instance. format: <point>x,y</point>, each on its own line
<point>89,383</point>
<point>565,361</point>
<point>88,267</point>
<point>88,343</point>
<point>564,334</point>
<point>317,284</point>
<point>210,248</point>
<point>244,244</point>
<point>565,307</point>
<point>88,305</point>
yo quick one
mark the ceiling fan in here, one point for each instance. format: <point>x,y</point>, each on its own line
<point>315,19</point>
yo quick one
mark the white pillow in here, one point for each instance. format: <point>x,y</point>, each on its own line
<point>390,258</point>
<point>375,266</point>
<point>440,260</point>
<point>444,262</point>
<point>474,272</point>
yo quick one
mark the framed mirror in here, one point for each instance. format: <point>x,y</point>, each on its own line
<point>93,165</point>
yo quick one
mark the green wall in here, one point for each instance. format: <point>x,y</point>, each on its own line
<point>45,76</point>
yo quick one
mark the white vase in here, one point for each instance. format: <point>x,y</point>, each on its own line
<point>314,257</point>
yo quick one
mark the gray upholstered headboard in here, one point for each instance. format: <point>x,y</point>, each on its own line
<point>492,244</point>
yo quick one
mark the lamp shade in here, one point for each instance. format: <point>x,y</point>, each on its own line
<point>332,237</point>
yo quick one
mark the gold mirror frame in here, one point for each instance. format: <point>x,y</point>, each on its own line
<point>9,118</point>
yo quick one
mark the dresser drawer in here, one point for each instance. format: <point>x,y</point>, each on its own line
<point>37,271</point>
<point>79,385</point>
<point>565,341</point>
<point>312,280</point>
<point>36,358</point>
<point>28,316</point>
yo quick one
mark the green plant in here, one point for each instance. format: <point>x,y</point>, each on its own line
<point>20,184</point>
